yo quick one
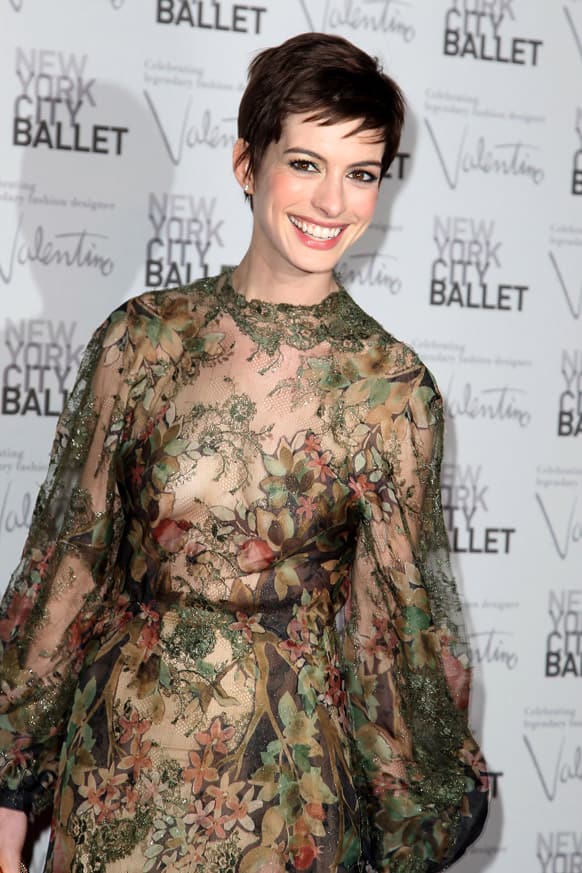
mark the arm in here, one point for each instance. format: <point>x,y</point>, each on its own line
<point>13,826</point>
<point>406,662</point>
<point>58,588</point>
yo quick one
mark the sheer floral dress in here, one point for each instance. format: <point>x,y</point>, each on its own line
<point>233,642</point>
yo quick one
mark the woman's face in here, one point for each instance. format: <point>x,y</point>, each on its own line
<point>314,194</point>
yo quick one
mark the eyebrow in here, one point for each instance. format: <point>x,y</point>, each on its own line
<point>320,158</point>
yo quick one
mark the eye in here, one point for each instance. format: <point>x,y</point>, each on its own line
<point>303,165</point>
<point>361,175</point>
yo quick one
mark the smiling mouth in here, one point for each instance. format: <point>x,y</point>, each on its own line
<point>316,231</point>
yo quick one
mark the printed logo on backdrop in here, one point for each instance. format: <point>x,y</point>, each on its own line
<point>468,260</point>
<point>485,30</point>
<point>494,777</point>
<point>563,521</point>
<point>552,741</point>
<point>577,159</point>
<point>54,104</point>
<point>223,15</point>
<point>42,355</point>
<point>466,499</point>
<point>570,402</point>
<point>184,230</point>
<point>383,17</point>
<point>556,758</point>
<point>558,495</point>
<point>575,28</point>
<point>487,398</point>
<point>399,169</point>
<point>559,851</point>
<point>73,247</point>
<point>16,506</point>
<point>493,646</point>
<point>198,128</point>
<point>467,153</point>
<point>369,268</point>
<point>563,656</point>
<point>374,271</point>
<point>565,251</point>
<point>199,124</point>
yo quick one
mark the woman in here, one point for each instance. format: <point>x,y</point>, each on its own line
<point>233,641</point>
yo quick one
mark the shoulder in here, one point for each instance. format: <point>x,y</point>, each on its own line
<point>165,303</point>
<point>388,356</point>
<point>170,315</point>
<point>389,374</point>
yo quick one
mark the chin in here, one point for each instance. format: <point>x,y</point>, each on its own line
<point>318,261</point>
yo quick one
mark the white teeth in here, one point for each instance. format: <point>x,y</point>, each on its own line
<point>315,230</point>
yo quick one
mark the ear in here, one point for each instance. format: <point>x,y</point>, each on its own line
<point>240,165</point>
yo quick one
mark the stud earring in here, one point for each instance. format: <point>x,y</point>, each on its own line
<point>246,188</point>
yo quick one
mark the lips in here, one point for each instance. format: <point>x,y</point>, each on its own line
<point>317,235</point>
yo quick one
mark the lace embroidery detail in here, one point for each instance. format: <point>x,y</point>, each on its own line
<point>336,320</point>
<point>233,640</point>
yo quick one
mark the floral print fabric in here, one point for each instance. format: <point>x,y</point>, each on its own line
<point>233,641</point>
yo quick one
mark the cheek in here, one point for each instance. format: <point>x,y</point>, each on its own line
<point>279,187</point>
<point>367,201</point>
<point>286,188</point>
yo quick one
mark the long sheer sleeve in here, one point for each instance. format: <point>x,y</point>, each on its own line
<point>407,665</point>
<point>57,591</point>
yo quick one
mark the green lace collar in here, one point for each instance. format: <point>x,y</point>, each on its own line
<point>336,319</point>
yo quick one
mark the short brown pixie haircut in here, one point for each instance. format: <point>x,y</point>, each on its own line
<point>326,76</point>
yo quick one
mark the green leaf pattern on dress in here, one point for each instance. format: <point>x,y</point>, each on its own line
<point>233,642</point>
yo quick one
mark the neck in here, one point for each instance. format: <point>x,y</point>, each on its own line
<point>257,280</point>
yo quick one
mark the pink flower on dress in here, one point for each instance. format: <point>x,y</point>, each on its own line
<point>255,555</point>
<point>321,464</point>
<point>17,753</point>
<point>42,565</point>
<point>294,649</point>
<point>215,826</point>
<point>225,793</point>
<point>386,783</point>
<point>360,485</point>
<point>199,771</point>
<point>216,737</point>
<point>457,676</point>
<point>75,636</point>
<point>171,534</point>
<point>138,759</point>
<point>94,796</point>
<point>241,809</point>
<point>147,611</point>
<point>312,443</point>
<point>133,726</point>
<point>306,508</point>
<point>299,641</point>
<point>199,814</point>
<point>148,639</point>
<point>103,799</point>
<point>248,625</point>
<point>17,613</point>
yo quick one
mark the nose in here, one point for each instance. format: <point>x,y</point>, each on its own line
<point>328,195</point>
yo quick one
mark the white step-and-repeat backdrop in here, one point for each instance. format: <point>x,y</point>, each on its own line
<point>117,119</point>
